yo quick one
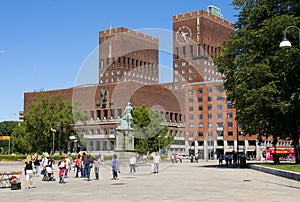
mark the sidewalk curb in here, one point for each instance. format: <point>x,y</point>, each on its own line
<point>278,172</point>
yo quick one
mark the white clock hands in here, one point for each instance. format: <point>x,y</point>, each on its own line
<point>183,34</point>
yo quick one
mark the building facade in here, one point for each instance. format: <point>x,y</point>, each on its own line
<point>194,105</point>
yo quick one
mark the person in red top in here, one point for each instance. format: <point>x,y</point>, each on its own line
<point>77,164</point>
<point>62,170</point>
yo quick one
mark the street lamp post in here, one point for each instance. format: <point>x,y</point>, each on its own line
<point>237,140</point>
<point>158,145</point>
<point>9,136</point>
<point>53,138</point>
<point>285,42</point>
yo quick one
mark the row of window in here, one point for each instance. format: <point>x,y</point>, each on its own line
<point>200,90</point>
<point>126,79</point>
<point>191,70</point>
<point>111,131</point>
<point>105,131</point>
<point>229,143</point>
<point>210,116</point>
<point>209,107</point>
<point>209,125</point>
<point>184,63</point>
<point>209,133</point>
<point>209,99</point>
<point>129,62</point>
<point>129,74</point>
<point>184,71</point>
<point>189,51</point>
<point>118,79</point>
<point>190,78</point>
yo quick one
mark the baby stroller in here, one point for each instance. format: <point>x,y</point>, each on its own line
<point>49,175</point>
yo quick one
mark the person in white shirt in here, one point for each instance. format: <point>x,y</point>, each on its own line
<point>44,163</point>
<point>156,161</point>
<point>68,164</point>
<point>132,162</point>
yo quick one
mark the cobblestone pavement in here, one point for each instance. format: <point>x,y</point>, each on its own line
<point>202,181</point>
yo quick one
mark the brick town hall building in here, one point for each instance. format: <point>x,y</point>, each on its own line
<point>195,110</point>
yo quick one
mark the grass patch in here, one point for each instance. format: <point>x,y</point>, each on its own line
<point>288,167</point>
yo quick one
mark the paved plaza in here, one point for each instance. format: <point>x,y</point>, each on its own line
<point>202,181</point>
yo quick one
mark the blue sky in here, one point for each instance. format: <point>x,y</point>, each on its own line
<point>43,44</point>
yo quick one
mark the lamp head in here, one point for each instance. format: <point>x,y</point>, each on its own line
<point>285,43</point>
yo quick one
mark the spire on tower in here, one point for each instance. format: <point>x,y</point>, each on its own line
<point>110,28</point>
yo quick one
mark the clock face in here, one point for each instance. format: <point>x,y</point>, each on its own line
<point>183,35</point>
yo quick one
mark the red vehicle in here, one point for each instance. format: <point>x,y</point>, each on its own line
<point>286,153</point>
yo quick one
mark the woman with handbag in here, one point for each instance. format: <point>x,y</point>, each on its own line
<point>28,167</point>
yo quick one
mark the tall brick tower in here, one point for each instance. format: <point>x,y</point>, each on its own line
<point>197,36</point>
<point>127,55</point>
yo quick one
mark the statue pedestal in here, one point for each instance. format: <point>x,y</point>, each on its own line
<point>124,142</point>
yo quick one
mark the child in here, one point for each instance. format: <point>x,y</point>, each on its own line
<point>62,170</point>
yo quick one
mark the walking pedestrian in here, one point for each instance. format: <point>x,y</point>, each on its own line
<point>196,158</point>
<point>180,158</point>
<point>114,167</point>
<point>69,161</point>
<point>88,166</point>
<point>234,158</point>
<point>132,163</point>
<point>97,164</point>
<point>220,160</point>
<point>83,174</point>
<point>77,165</point>
<point>28,168</point>
<point>172,158</point>
<point>62,169</point>
<point>156,161</point>
<point>36,163</point>
<point>44,163</point>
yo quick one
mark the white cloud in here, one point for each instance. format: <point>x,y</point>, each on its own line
<point>2,51</point>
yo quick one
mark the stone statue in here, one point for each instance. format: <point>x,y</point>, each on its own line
<point>126,121</point>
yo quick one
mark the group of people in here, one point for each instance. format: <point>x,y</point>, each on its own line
<point>81,166</point>
<point>32,165</point>
<point>230,158</point>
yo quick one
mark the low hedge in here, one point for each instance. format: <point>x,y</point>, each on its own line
<point>12,157</point>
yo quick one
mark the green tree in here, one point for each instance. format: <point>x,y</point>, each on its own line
<point>20,139</point>
<point>261,79</point>
<point>34,134</point>
<point>149,134</point>
<point>6,129</point>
